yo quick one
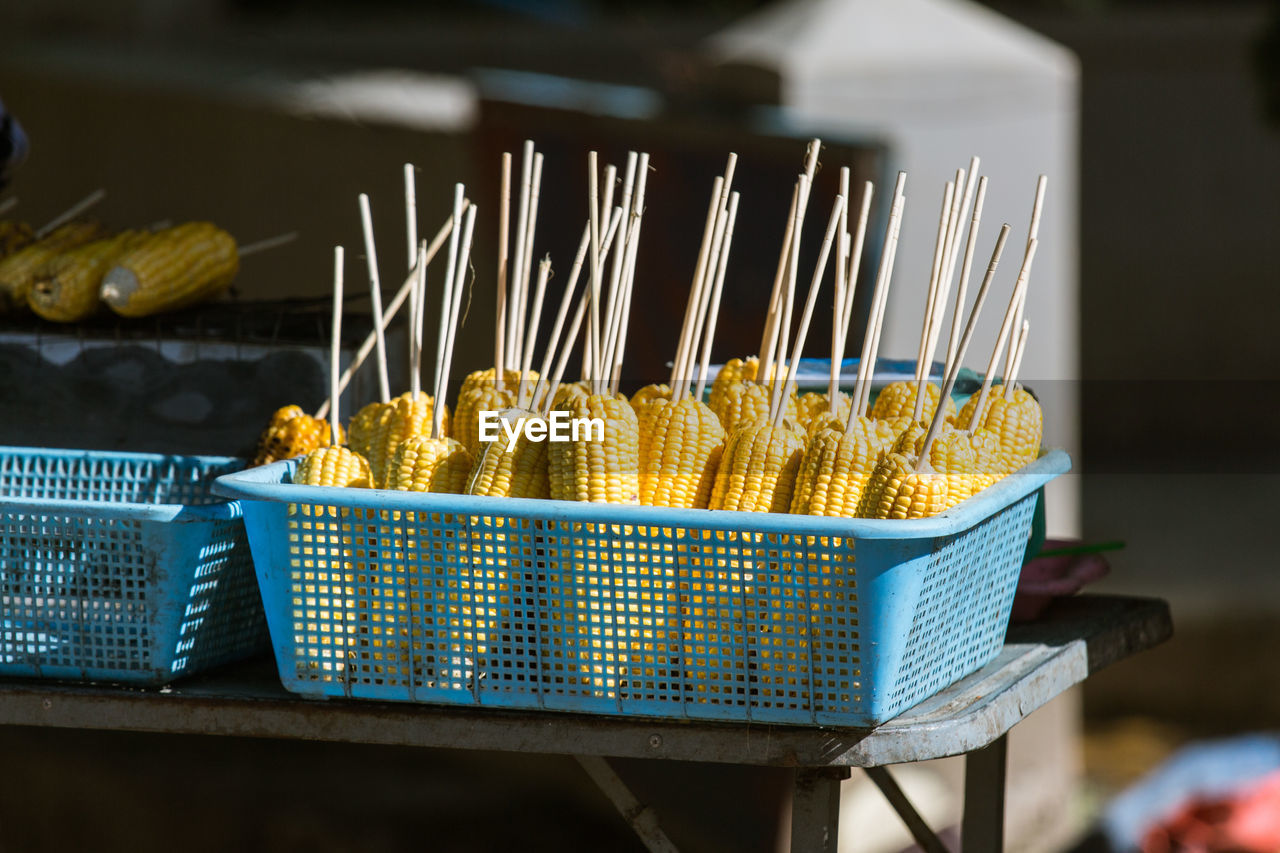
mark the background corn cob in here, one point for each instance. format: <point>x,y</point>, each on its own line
<point>647,395</point>
<point>759,468</point>
<point>898,399</point>
<point>423,464</point>
<point>744,402</point>
<point>291,432</point>
<point>680,449</point>
<point>733,370</point>
<point>333,466</point>
<point>14,235</point>
<point>18,270</point>
<point>65,290</point>
<point>834,472</point>
<point>178,267</point>
<point>813,405</point>
<point>598,471</point>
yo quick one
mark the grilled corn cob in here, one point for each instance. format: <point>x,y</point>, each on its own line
<point>604,471</point>
<point>333,466</point>
<point>759,468</point>
<point>898,399</point>
<point>14,235</point>
<point>291,432</point>
<point>680,449</point>
<point>423,464</point>
<point>65,290</point>
<point>178,267</point>
<point>18,270</point>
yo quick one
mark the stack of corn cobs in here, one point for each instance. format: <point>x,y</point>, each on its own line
<point>754,444</point>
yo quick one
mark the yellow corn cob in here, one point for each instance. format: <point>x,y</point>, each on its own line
<point>759,468</point>
<point>898,399</point>
<point>952,453</point>
<point>65,290</point>
<point>14,235</point>
<point>487,376</point>
<point>598,471</point>
<point>834,472</point>
<point>647,395</point>
<point>813,406</point>
<point>378,428</point>
<point>734,370</point>
<point>480,397</point>
<point>986,451</point>
<point>520,472</point>
<point>744,402</point>
<point>333,466</point>
<point>18,270</point>
<point>566,394</point>
<point>680,448</point>
<point>423,464</point>
<point>1018,424</point>
<point>896,490</point>
<point>178,267</point>
<point>291,432</point>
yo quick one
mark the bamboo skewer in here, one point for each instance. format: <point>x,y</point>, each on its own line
<point>500,310</point>
<point>768,339</point>
<point>879,295</point>
<point>837,302</point>
<point>699,272</point>
<point>629,271</point>
<point>1010,381</point>
<point>544,272</point>
<point>368,345</point>
<point>714,314</point>
<point>517,273</point>
<point>702,296</point>
<point>593,211</point>
<point>879,326</point>
<point>776,409</point>
<point>965,268</point>
<point>335,347</point>
<point>375,294</point>
<point>778,314</point>
<point>628,187</point>
<point>793,270</point>
<point>1033,233</point>
<point>527,266</point>
<point>411,213</point>
<point>939,249</point>
<point>71,212</point>
<point>572,335</point>
<point>451,271</point>
<point>267,243</point>
<point>1006,326</point>
<point>442,380</point>
<point>854,266</point>
<point>416,296</point>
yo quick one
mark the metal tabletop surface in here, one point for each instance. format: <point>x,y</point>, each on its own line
<point>1075,637</point>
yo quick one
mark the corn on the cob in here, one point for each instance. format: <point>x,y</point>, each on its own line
<point>569,393</point>
<point>520,472</point>
<point>333,466</point>
<point>813,405</point>
<point>897,490</point>
<point>378,428</point>
<point>1017,422</point>
<point>952,453</point>
<point>834,472</point>
<point>647,395</point>
<point>178,267</point>
<point>487,376</point>
<point>480,397</point>
<point>733,370</point>
<point>986,452</point>
<point>898,399</point>
<point>744,402</point>
<point>291,432</point>
<point>680,449</point>
<point>65,290</point>
<point>423,464</point>
<point>604,471</point>
<point>18,270</point>
<point>14,235</point>
<point>759,468</point>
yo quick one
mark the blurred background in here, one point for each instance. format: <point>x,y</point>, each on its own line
<point>1154,302</point>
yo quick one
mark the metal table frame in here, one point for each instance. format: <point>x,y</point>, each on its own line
<point>1075,638</point>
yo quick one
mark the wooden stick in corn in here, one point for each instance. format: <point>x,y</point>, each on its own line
<point>768,337</point>
<point>1033,233</point>
<point>628,187</point>
<point>566,350</point>
<point>442,377</point>
<point>375,294</point>
<point>793,272</point>
<point>367,346</point>
<point>527,266</point>
<point>544,272</point>
<point>617,284</point>
<point>714,309</point>
<point>837,301</point>
<point>446,296</point>
<point>701,297</point>
<point>777,410</point>
<point>782,320</point>
<point>879,326</point>
<point>629,270</point>
<point>517,270</point>
<point>879,298</point>
<point>418,321</point>
<point>965,268</point>
<point>335,347</point>
<point>953,254</point>
<point>565,301</point>
<point>953,372</point>
<point>854,267</point>
<point>500,310</point>
<point>939,247</point>
<point>265,244</point>
<point>1006,327</point>
<point>71,213</point>
<point>411,214</point>
<point>593,211</point>
<point>937,310</point>
<point>699,272</point>
<point>613,343</point>
<point>1010,381</point>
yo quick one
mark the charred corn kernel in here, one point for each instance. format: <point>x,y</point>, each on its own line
<point>680,448</point>
<point>1018,424</point>
<point>520,472</point>
<point>18,270</point>
<point>898,399</point>
<point>897,490</point>
<point>333,466</point>
<point>759,468</point>
<point>647,395</point>
<point>14,235</point>
<point>734,370</point>
<point>291,432</point>
<point>599,471</point>
<point>423,464</point>
<point>65,290</point>
<point>378,428</point>
<point>480,397</point>
<point>177,268</point>
<point>744,402</point>
<point>834,472</point>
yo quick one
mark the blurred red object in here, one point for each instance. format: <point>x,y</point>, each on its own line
<point>1245,822</point>
<point>1046,578</point>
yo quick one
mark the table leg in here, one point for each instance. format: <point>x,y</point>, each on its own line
<point>982,830</point>
<point>815,809</point>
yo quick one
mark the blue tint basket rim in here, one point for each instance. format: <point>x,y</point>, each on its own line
<point>130,510</point>
<point>269,483</point>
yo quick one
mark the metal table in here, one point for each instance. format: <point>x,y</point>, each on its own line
<point>1076,637</point>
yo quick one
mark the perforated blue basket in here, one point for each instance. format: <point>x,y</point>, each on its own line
<point>121,567</point>
<point>644,611</point>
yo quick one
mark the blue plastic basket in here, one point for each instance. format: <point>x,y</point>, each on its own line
<point>121,567</point>
<point>691,614</point>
